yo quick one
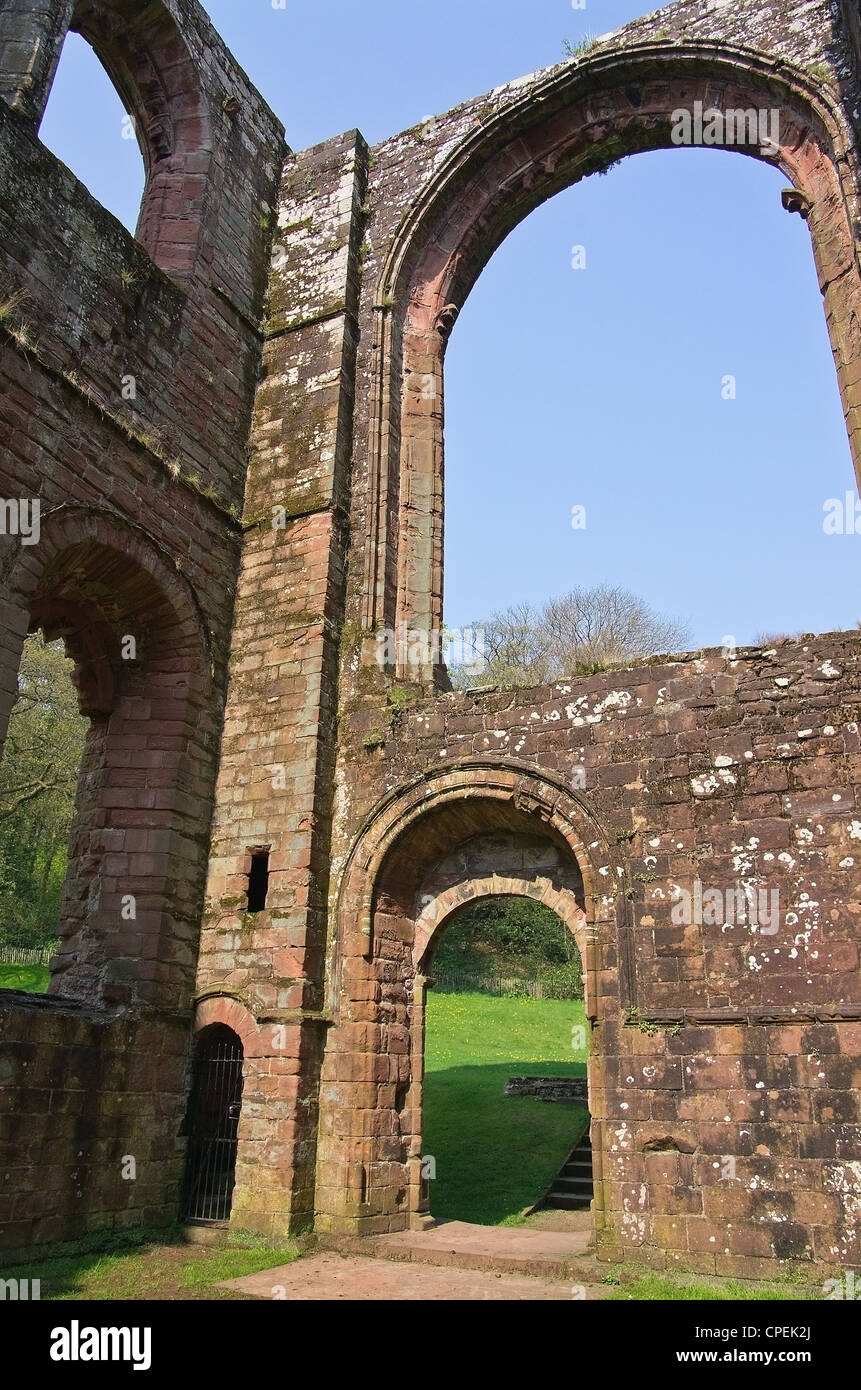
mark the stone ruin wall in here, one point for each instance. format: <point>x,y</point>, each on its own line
<point>258,717</point>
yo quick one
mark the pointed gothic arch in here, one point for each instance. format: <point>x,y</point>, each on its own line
<point>574,122</point>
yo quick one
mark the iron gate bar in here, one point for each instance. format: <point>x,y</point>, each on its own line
<point>214,1109</point>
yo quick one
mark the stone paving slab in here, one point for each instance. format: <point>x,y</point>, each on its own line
<point>361,1279</point>
<point>513,1241</point>
<point>501,1249</point>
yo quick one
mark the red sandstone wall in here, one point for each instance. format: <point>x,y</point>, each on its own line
<point>82,1092</point>
<point>275,783</point>
<point>742,771</point>
<point>140,532</point>
<point>712,1040</point>
<point>697,1053</point>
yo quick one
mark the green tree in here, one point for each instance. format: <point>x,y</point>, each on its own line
<point>38,779</point>
<point>513,937</point>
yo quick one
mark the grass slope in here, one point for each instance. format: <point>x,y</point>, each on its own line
<point>32,978</point>
<point>496,1154</point>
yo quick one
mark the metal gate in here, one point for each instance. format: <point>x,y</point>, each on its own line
<point>212,1125</point>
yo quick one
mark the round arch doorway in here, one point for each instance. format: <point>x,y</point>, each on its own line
<point>212,1126</point>
<point>396,891</point>
<point>505,1118</point>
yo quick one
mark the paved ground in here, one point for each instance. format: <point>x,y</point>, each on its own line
<point>503,1249</point>
<point>358,1279</point>
<point>448,1260</point>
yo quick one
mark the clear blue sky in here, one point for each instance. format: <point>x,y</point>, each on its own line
<point>600,386</point>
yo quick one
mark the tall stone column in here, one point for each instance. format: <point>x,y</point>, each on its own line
<point>273,803</point>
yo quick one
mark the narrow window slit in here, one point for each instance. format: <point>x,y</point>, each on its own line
<point>258,880</point>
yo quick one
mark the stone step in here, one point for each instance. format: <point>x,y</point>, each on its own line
<point>503,1249</point>
<point>572,1188</point>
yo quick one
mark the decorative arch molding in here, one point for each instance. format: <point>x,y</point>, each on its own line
<point>442,906</point>
<point>82,531</point>
<point>232,1012</point>
<point>605,77</point>
<point>573,122</point>
<point>544,801</point>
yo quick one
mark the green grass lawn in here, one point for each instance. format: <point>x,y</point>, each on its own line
<point>496,1154</point>
<point>32,978</point>
<point>160,1268</point>
<point>660,1288</point>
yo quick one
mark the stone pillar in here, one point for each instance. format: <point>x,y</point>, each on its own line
<point>31,40</point>
<point>419,1201</point>
<point>276,778</point>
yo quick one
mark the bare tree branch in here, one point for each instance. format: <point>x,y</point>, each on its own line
<point>581,631</point>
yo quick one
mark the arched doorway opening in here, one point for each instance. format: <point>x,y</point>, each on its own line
<point>505,1097</point>
<point>467,832</point>
<point>129,918</point>
<point>212,1126</point>
<point>39,774</point>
